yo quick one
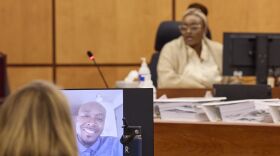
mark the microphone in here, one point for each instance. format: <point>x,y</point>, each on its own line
<point>92,58</point>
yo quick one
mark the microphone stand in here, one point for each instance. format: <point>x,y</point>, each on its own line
<point>101,74</point>
<point>91,57</point>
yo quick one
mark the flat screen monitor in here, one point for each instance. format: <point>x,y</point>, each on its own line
<point>97,118</point>
<point>241,92</point>
<point>251,54</point>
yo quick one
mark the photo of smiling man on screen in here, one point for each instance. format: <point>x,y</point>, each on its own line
<point>90,122</point>
<point>97,120</point>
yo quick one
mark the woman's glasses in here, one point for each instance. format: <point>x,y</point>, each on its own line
<point>184,28</point>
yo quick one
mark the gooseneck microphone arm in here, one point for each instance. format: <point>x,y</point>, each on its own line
<point>91,57</point>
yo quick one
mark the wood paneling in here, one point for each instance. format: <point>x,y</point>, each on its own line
<point>26,31</point>
<point>117,31</point>
<point>238,15</point>
<point>88,77</point>
<point>19,76</point>
<point>216,139</point>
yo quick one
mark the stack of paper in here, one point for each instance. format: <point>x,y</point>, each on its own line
<point>186,109</point>
<point>239,111</point>
<point>274,109</point>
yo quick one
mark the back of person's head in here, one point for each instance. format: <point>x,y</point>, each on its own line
<point>199,6</point>
<point>35,120</point>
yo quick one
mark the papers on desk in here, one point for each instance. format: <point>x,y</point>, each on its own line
<point>215,109</point>
<point>253,110</point>
<point>183,109</point>
<point>274,109</point>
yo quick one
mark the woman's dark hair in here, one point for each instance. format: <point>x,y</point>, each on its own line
<point>200,7</point>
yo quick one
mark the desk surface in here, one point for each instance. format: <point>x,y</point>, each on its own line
<point>215,139</point>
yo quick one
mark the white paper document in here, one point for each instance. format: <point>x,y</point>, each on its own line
<point>184,109</point>
<point>252,110</point>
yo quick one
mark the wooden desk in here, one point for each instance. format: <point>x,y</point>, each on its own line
<point>182,92</point>
<point>199,92</point>
<point>216,139</point>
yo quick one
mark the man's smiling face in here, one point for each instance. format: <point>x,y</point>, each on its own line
<point>90,123</point>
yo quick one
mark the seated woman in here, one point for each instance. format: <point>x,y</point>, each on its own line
<point>36,120</point>
<point>192,60</point>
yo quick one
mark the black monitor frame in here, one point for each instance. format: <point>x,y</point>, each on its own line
<point>252,53</point>
<point>138,111</point>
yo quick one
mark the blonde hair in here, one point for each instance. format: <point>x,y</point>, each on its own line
<point>36,120</point>
<point>198,13</point>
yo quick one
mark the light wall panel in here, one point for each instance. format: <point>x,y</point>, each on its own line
<point>26,31</point>
<point>19,76</point>
<point>117,31</point>
<point>238,15</point>
<point>88,77</point>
